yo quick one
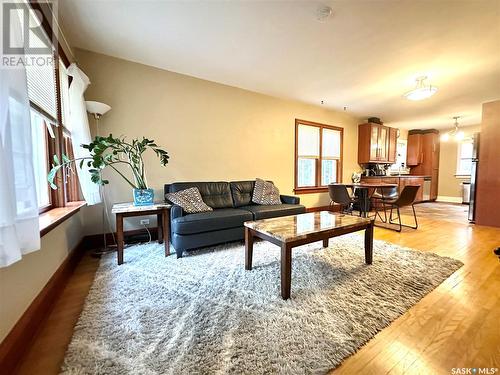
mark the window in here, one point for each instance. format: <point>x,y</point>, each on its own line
<point>48,87</point>
<point>464,158</point>
<point>40,141</point>
<point>400,163</point>
<point>71,183</point>
<point>72,187</point>
<point>318,156</point>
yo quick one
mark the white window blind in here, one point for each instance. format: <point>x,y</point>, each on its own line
<point>308,141</point>
<point>331,143</point>
<point>42,88</point>
<point>40,74</point>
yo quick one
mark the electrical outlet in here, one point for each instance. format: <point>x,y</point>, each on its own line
<point>144,222</point>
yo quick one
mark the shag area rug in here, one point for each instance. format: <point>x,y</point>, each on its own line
<point>204,314</point>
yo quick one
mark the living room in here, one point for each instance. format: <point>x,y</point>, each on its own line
<point>237,92</point>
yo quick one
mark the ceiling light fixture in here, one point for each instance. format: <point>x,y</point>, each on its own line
<point>456,134</point>
<point>421,91</point>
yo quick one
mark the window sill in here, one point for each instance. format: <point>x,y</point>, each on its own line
<point>52,218</point>
<point>311,190</point>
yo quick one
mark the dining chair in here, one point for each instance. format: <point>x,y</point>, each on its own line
<point>406,198</point>
<point>379,195</point>
<point>339,194</point>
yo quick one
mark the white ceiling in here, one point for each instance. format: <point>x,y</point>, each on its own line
<point>365,57</point>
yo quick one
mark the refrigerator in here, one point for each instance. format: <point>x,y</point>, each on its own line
<point>473,177</point>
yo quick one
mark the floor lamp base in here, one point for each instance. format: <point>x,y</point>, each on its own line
<point>104,250</point>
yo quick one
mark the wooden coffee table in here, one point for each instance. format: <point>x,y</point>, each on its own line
<point>296,230</point>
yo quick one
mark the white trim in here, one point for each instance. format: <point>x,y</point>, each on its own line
<point>443,198</point>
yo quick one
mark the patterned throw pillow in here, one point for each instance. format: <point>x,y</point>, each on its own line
<point>190,200</point>
<point>265,193</point>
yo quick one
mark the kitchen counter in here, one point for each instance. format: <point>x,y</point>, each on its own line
<point>402,181</point>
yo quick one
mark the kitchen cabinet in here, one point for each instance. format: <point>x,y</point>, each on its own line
<point>419,181</point>
<point>434,185</point>
<point>424,158</point>
<point>401,181</point>
<point>376,143</point>
<point>392,145</point>
<point>414,150</point>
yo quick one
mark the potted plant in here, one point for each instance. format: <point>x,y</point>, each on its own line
<point>112,152</point>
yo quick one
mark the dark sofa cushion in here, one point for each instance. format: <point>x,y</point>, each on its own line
<point>210,221</point>
<point>275,210</point>
<point>214,194</point>
<point>242,192</point>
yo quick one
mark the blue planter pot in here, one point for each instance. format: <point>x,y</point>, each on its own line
<point>143,197</point>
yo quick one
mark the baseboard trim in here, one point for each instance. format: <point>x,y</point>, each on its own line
<point>444,198</point>
<point>15,344</point>
<point>95,241</point>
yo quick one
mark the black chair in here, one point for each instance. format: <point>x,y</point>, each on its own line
<point>406,198</point>
<point>340,195</point>
<point>379,196</point>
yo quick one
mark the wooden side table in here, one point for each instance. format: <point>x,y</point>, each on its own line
<point>161,210</point>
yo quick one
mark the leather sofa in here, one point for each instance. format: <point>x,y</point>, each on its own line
<point>232,204</point>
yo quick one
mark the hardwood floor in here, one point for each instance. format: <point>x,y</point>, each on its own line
<point>47,351</point>
<point>456,325</point>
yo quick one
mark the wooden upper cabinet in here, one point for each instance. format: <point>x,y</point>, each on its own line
<point>414,150</point>
<point>423,152</point>
<point>383,147</point>
<point>376,144</point>
<point>392,147</point>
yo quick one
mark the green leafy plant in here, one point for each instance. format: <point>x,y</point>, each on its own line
<point>112,152</point>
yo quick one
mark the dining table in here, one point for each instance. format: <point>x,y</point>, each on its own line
<point>365,195</point>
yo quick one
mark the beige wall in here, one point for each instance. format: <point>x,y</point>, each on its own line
<point>449,184</point>
<point>211,131</point>
<point>21,282</point>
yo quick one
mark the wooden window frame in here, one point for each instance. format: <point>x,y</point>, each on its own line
<point>318,188</point>
<point>71,183</point>
<point>60,209</point>
<point>56,146</point>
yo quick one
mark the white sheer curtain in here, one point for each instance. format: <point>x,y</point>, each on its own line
<point>19,228</point>
<point>78,125</point>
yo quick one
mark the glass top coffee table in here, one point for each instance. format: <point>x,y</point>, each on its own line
<point>296,230</point>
